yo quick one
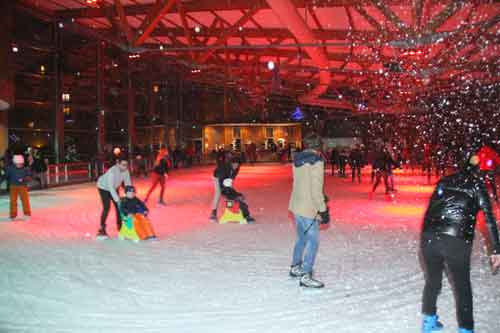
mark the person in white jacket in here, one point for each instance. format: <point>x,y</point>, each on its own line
<point>108,185</point>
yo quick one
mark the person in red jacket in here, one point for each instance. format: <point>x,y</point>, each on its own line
<point>489,161</point>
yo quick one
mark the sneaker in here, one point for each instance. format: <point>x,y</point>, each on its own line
<point>297,271</point>
<point>213,216</point>
<point>431,324</point>
<point>27,218</point>
<point>102,235</point>
<point>464,330</point>
<point>308,282</point>
<point>162,203</point>
<point>12,219</point>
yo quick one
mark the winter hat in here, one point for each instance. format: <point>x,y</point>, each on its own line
<point>129,188</point>
<point>228,182</point>
<point>18,159</point>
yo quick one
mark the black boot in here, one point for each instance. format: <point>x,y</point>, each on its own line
<point>213,215</point>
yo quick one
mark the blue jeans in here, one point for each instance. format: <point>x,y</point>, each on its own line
<point>307,241</point>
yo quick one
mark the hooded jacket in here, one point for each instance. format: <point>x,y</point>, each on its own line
<point>16,176</point>
<point>454,206</point>
<point>308,198</point>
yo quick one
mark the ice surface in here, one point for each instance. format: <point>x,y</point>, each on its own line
<point>203,277</point>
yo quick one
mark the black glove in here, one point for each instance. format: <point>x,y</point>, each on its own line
<point>325,217</point>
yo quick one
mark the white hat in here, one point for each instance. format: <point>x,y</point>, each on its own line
<point>18,159</point>
<point>228,182</point>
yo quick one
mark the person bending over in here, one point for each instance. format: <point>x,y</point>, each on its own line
<point>446,241</point>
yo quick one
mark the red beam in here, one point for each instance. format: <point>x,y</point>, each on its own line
<point>152,19</point>
<point>229,32</point>
<point>123,20</point>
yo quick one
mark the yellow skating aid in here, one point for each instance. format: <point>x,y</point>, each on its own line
<point>232,213</point>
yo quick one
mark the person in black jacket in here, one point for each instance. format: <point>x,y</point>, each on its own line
<point>131,205</point>
<point>447,236</point>
<point>159,174</point>
<point>223,170</point>
<point>355,159</point>
<point>230,193</point>
<point>380,165</point>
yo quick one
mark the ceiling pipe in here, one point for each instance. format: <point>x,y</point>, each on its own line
<point>288,15</point>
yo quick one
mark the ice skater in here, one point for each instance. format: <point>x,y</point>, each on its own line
<point>18,177</point>
<point>223,170</point>
<point>446,241</point>
<point>137,211</point>
<point>230,193</point>
<point>108,185</point>
<point>159,174</point>
<point>380,167</point>
<point>308,205</point>
<point>356,160</point>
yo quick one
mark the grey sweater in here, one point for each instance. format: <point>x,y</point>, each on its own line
<point>112,180</point>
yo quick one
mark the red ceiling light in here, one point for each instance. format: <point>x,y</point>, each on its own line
<point>91,2</point>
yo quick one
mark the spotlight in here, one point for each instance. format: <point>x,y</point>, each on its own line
<point>15,49</point>
<point>161,47</point>
<point>270,65</point>
<point>197,29</point>
<point>60,25</point>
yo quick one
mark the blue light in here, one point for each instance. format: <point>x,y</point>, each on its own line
<point>440,191</point>
<point>297,114</point>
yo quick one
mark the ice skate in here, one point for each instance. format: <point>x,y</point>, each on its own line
<point>213,216</point>
<point>102,235</point>
<point>308,282</point>
<point>297,271</point>
<point>250,220</point>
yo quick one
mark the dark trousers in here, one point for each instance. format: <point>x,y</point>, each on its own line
<point>379,174</point>
<point>342,168</point>
<point>356,169</point>
<point>244,208</point>
<point>157,179</point>
<point>106,200</point>
<point>441,251</point>
<point>489,177</point>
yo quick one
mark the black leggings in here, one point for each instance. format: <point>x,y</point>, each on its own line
<point>106,199</point>
<point>379,174</point>
<point>440,251</point>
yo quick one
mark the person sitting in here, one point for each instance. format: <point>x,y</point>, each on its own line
<point>134,209</point>
<point>231,194</point>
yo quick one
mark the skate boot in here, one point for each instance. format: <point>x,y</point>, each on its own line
<point>464,330</point>
<point>431,324</point>
<point>296,271</point>
<point>250,220</point>
<point>307,281</point>
<point>102,235</point>
<point>213,216</point>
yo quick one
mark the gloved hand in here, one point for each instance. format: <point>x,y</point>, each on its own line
<point>325,217</point>
<point>495,263</point>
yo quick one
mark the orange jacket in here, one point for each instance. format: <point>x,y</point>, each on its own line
<point>488,159</point>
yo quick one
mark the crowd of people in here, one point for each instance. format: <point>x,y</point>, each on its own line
<point>448,227</point>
